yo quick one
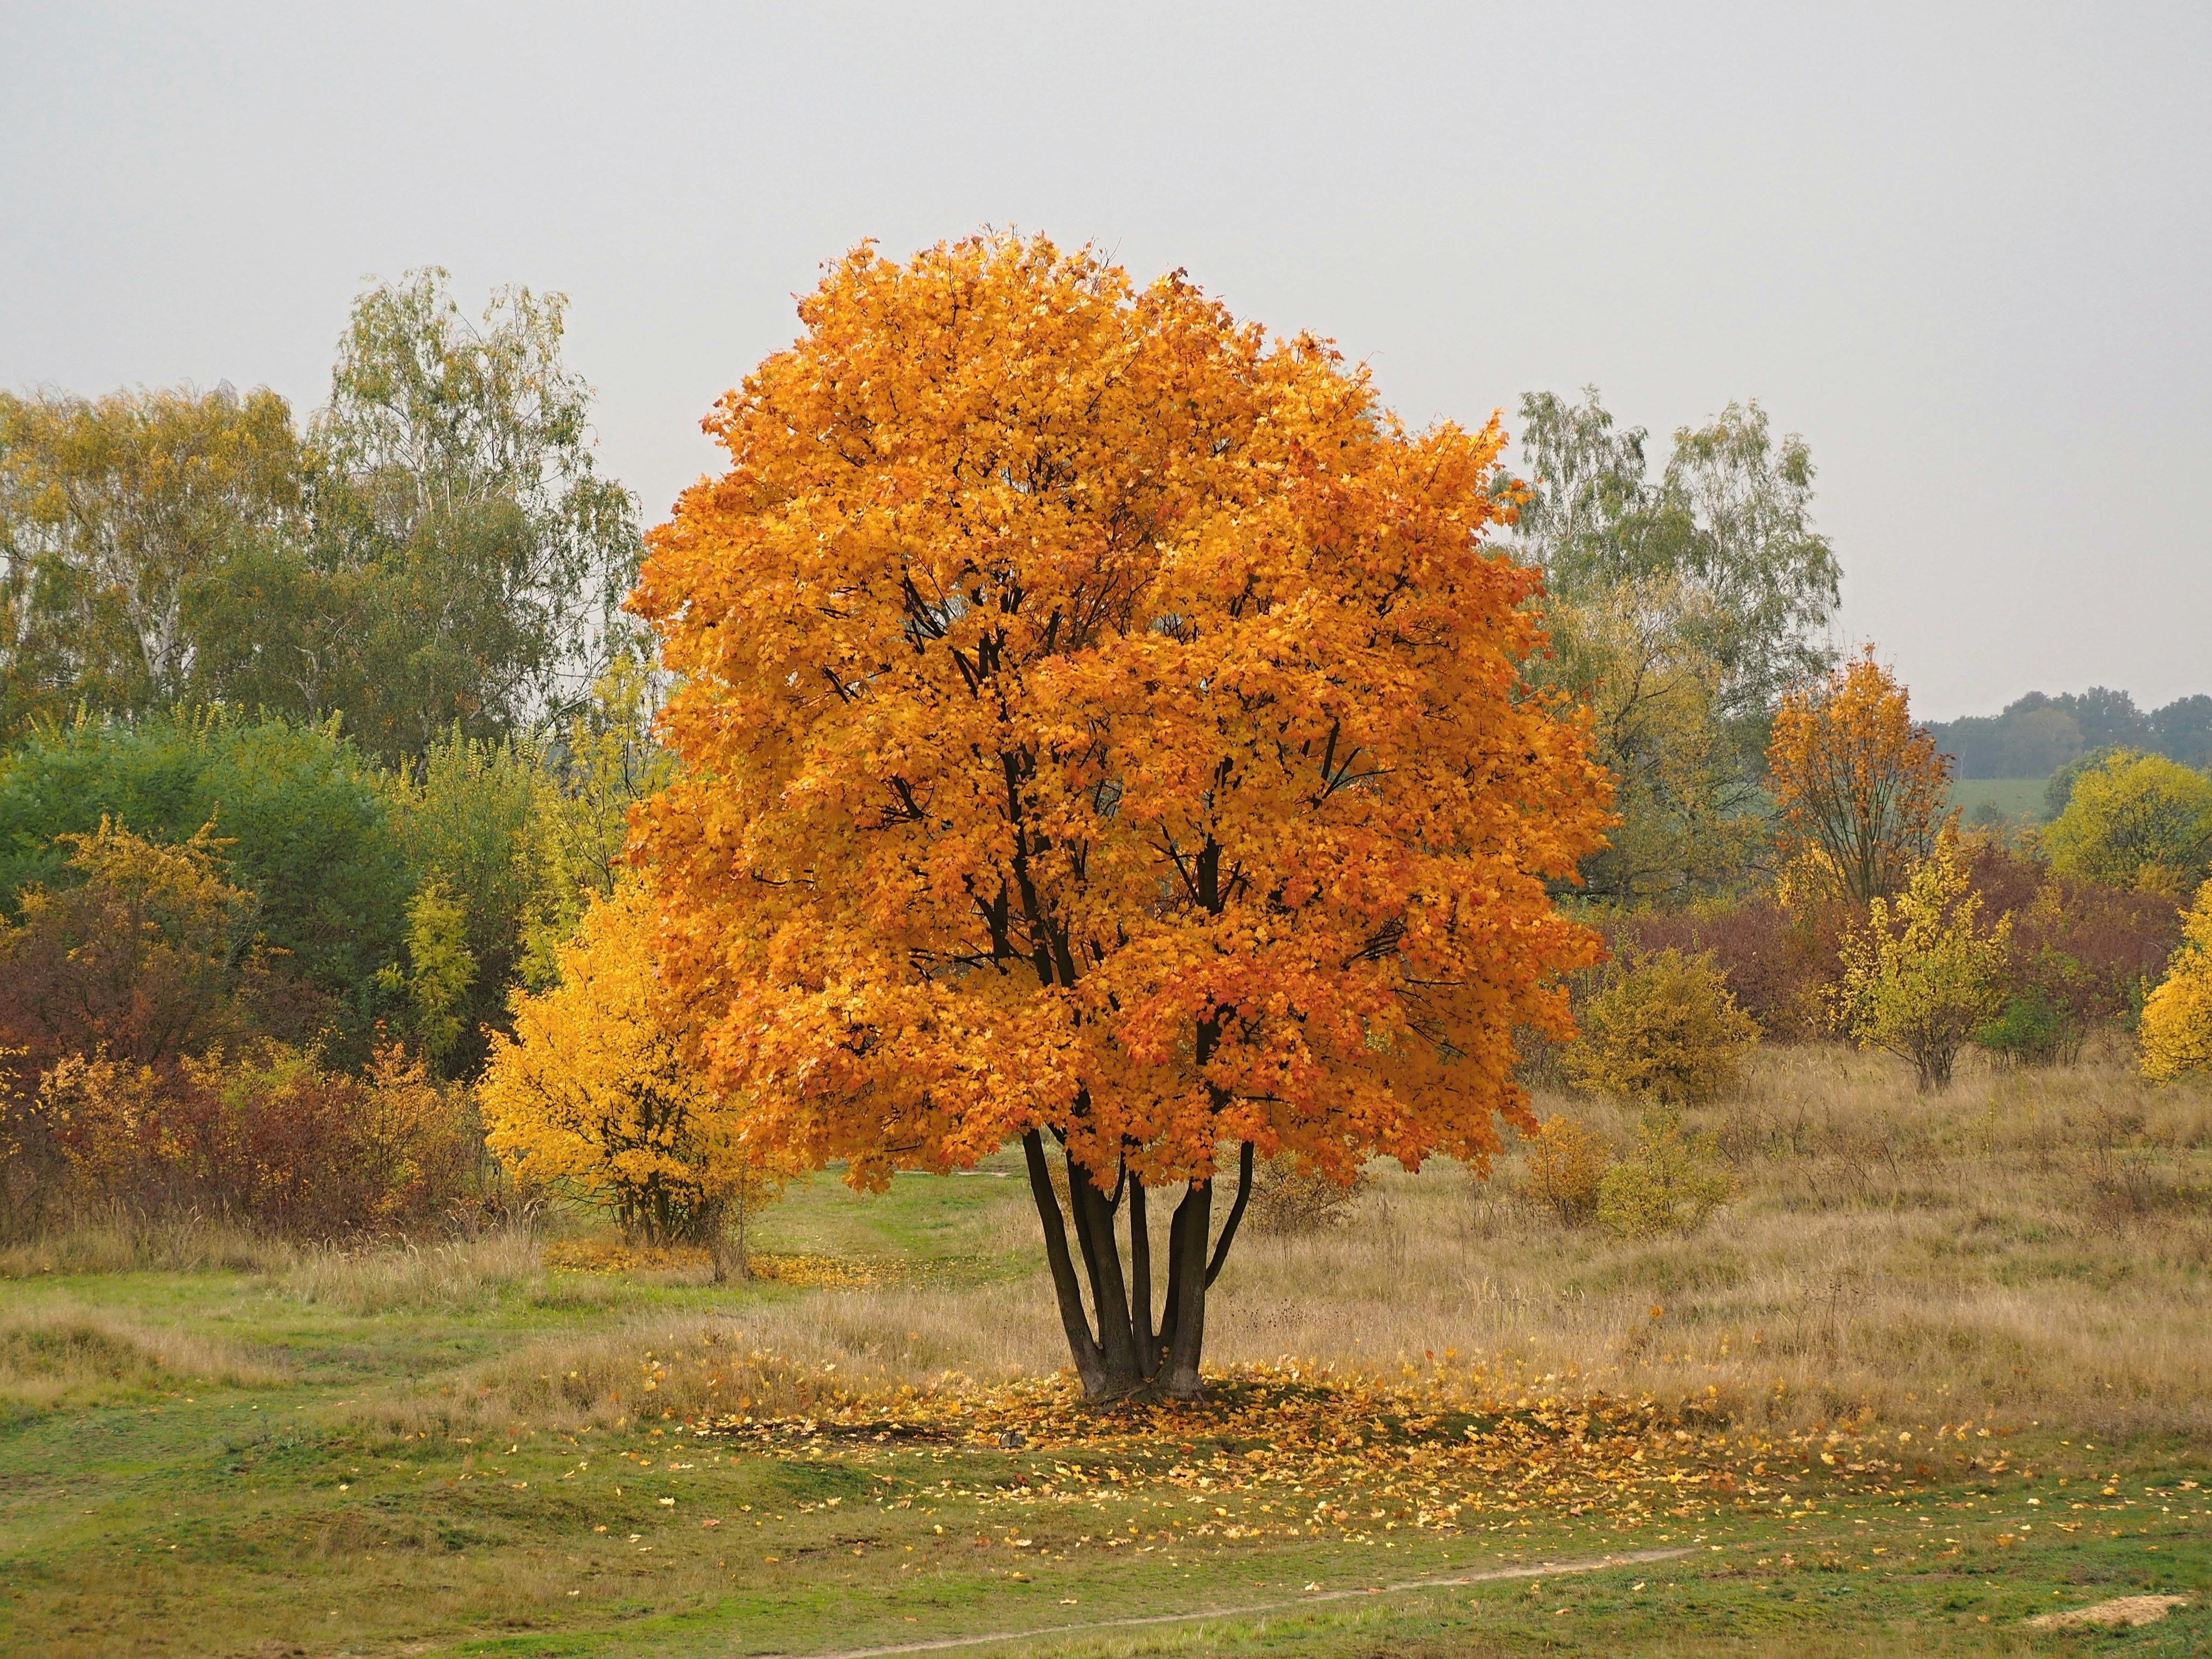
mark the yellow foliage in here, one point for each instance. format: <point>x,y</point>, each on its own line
<point>2176,1020</point>
<point>2139,821</point>
<point>1667,1030</point>
<point>1670,1183</point>
<point>1567,1161</point>
<point>1922,975</point>
<point>593,1095</point>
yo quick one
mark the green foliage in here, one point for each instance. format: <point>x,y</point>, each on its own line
<point>2033,1029</point>
<point>1678,611</point>
<point>468,818</point>
<point>298,822</point>
<point>1671,1183</point>
<point>441,969</point>
<point>116,516</point>
<point>2136,820</point>
<point>440,551</point>
<point>1730,518</point>
<point>1665,1029</point>
<point>2045,736</point>
<point>1923,975</point>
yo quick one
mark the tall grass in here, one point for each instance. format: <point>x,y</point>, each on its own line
<point>70,1354</point>
<point>2032,1244</point>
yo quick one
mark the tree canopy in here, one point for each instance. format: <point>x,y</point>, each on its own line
<point>1101,720</point>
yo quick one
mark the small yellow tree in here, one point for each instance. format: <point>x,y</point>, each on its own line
<point>1922,975</point>
<point>593,1095</point>
<point>2176,1020</point>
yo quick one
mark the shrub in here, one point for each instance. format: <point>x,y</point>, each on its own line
<point>1291,1197</point>
<point>1665,1029</point>
<point>1567,1162</point>
<point>1670,1183</point>
<point>1921,976</point>
<point>2177,1020</point>
<point>592,1097</point>
<point>129,953</point>
<point>1777,961</point>
<point>2083,954</point>
<point>267,1138</point>
<point>2137,821</point>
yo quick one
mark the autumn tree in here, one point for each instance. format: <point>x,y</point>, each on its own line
<point>2136,820</point>
<point>1925,973</point>
<point>1103,724</point>
<point>2177,1020</point>
<point>1861,791</point>
<point>593,1095</point>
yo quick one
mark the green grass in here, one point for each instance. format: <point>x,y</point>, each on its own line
<point>2016,800</point>
<point>143,1511</point>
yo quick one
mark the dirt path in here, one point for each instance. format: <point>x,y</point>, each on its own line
<point>1534,1570</point>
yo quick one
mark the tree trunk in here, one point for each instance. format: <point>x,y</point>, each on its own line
<point>1141,1281</point>
<point>1116,1347</point>
<point>1187,1288</point>
<point>1090,1363</point>
<point>1109,1295</point>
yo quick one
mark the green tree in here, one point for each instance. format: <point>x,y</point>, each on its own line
<point>460,472</point>
<point>116,515</point>
<point>2136,820</point>
<point>468,818</point>
<point>1731,516</point>
<point>1679,609</point>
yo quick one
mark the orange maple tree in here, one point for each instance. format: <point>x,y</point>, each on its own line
<point>1860,790</point>
<point>1102,722</point>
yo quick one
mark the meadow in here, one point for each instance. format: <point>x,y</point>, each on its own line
<point>1943,1366</point>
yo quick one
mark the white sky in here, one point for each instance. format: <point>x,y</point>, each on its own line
<point>1961,248</point>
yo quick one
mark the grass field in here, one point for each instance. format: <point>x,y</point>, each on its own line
<point>2016,801</point>
<point>1942,1367</point>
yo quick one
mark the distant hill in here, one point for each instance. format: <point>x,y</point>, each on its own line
<point>2039,734</point>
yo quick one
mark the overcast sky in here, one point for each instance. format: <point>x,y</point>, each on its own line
<point>1961,249</point>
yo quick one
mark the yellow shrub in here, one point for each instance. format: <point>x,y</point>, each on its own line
<point>1670,1183</point>
<point>2176,1020</point>
<point>593,1095</point>
<point>1923,975</point>
<point>1567,1163</point>
<point>1667,1030</point>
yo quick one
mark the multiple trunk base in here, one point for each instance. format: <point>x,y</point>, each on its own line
<point>1125,1352</point>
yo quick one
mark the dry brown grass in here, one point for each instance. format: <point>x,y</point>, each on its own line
<point>441,1276</point>
<point>114,1241</point>
<point>2032,1245</point>
<point>66,1354</point>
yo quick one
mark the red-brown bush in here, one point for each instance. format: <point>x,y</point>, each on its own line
<point>1776,960</point>
<point>267,1139</point>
